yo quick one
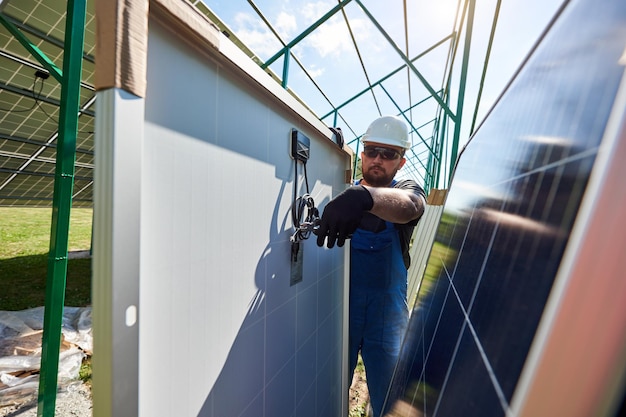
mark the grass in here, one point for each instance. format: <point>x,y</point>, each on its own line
<point>85,372</point>
<point>24,247</point>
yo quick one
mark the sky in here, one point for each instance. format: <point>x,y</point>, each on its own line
<point>329,55</point>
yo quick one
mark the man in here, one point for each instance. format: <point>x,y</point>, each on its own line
<point>378,214</point>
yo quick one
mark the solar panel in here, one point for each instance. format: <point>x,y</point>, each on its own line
<point>30,105</point>
<point>508,219</point>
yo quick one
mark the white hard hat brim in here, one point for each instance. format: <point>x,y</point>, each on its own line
<point>387,141</point>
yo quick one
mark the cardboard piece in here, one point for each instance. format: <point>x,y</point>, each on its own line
<point>437,197</point>
<point>122,38</point>
<point>121,45</point>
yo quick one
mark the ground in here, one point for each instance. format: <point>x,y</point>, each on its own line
<point>359,396</point>
<point>76,402</point>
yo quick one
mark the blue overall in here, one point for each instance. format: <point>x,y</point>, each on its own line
<point>378,307</point>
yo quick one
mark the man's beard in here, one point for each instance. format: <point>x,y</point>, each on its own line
<point>382,180</point>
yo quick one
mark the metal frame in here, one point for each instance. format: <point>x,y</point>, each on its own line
<point>438,140</point>
<point>431,161</point>
<point>70,80</point>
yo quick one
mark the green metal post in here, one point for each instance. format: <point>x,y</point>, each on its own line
<point>286,67</point>
<point>356,159</point>
<point>459,108</point>
<point>443,143</point>
<point>62,202</point>
<point>430,163</point>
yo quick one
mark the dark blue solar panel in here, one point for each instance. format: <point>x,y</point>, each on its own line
<point>507,221</point>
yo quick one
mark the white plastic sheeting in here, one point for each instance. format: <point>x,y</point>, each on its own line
<point>20,350</point>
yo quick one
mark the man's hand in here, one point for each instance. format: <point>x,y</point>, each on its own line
<point>342,215</point>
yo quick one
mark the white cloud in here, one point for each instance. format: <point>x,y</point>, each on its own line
<point>259,38</point>
<point>285,25</point>
<point>255,35</point>
<point>315,71</point>
<point>311,12</point>
<point>333,38</point>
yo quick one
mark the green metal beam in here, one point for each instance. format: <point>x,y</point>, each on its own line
<point>49,100</point>
<point>408,62</point>
<point>357,95</point>
<point>403,114</point>
<point>486,64</point>
<point>463,82</point>
<point>46,37</point>
<point>288,55</point>
<point>285,51</point>
<point>34,50</point>
<point>62,202</point>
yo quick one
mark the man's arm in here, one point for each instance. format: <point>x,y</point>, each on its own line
<point>402,204</point>
<point>396,205</point>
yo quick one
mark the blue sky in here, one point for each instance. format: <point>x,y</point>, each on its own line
<point>328,53</point>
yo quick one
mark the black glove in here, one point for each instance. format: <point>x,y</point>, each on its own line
<point>343,214</point>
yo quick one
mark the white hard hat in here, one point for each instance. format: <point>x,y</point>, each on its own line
<point>388,130</point>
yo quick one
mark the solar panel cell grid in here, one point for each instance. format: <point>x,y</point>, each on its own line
<point>510,209</point>
<point>31,105</point>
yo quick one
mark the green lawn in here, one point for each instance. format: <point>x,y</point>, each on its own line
<point>24,246</point>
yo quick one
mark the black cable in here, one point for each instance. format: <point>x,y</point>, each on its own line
<point>37,102</point>
<point>300,205</point>
<point>303,210</point>
<point>306,178</point>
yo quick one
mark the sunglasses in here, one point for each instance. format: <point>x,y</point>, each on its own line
<point>385,153</point>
